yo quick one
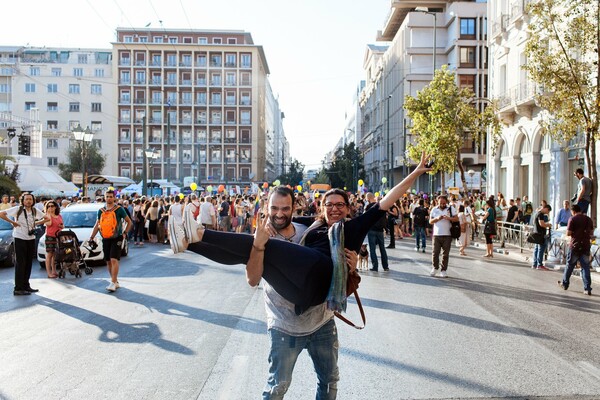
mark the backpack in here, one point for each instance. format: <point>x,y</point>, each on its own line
<point>420,217</point>
<point>528,208</point>
<point>109,227</point>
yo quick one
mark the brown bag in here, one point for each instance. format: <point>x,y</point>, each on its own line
<point>351,287</point>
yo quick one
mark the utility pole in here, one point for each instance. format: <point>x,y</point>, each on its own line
<point>144,160</point>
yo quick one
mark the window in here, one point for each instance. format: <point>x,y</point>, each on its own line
<point>217,40</point>
<point>467,81</point>
<point>157,39</point>
<point>128,39</point>
<point>187,40</point>
<point>30,88</point>
<point>77,71</point>
<point>231,41</point>
<point>29,105</point>
<point>245,99</point>
<point>96,107</point>
<point>230,79</point>
<point>230,60</point>
<point>140,77</point>
<point>246,60</point>
<point>173,39</point>
<point>52,88</point>
<point>96,89</point>
<point>52,161</point>
<point>97,143</point>
<point>74,88</point>
<point>99,73</point>
<point>202,40</point>
<point>230,98</point>
<point>125,77</point>
<point>4,87</point>
<point>143,39</point>
<point>96,126</point>
<point>52,143</point>
<point>126,172</point>
<point>215,60</point>
<point>56,72</point>
<point>245,117</point>
<point>467,28</point>
<point>201,60</point>
<point>82,59</point>
<point>34,71</point>
<point>52,126</point>
<point>467,57</point>
<point>74,107</point>
<point>52,106</point>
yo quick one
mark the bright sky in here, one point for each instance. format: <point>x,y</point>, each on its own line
<point>314,48</point>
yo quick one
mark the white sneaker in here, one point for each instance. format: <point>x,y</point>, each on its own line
<point>433,272</point>
<point>443,274</point>
<point>112,287</point>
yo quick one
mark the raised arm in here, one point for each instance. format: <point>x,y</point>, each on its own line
<point>397,191</point>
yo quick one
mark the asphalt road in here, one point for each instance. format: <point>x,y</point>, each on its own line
<point>182,327</point>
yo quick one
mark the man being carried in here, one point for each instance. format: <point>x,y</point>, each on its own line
<point>110,224</point>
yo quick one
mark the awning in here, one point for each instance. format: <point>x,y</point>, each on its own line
<point>116,181</point>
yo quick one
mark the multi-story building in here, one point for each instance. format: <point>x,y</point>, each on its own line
<point>457,31</point>
<point>198,98</point>
<point>527,161</point>
<point>59,89</point>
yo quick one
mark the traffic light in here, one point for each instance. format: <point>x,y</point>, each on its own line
<point>24,147</point>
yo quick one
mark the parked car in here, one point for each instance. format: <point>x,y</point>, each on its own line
<point>7,246</point>
<point>81,218</point>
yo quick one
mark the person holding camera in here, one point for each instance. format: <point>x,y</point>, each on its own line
<point>25,221</point>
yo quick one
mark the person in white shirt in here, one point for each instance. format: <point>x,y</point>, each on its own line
<point>25,219</point>
<point>208,216</point>
<point>441,217</point>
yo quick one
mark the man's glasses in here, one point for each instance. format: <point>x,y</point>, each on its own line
<point>339,206</point>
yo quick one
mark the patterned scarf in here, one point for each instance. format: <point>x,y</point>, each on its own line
<point>336,298</point>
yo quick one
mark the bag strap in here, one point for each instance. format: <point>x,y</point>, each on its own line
<point>362,314</point>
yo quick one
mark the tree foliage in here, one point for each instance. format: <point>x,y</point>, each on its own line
<point>443,116</point>
<point>95,161</point>
<point>346,168</point>
<point>294,174</point>
<point>562,51</point>
<point>9,177</point>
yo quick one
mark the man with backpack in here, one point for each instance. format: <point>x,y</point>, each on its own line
<point>110,224</point>
<point>25,220</point>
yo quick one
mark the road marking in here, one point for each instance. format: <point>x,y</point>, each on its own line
<point>588,367</point>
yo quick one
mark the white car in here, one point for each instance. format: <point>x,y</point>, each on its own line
<point>81,218</point>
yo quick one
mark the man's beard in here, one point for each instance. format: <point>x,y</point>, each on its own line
<point>443,207</point>
<point>281,225</point>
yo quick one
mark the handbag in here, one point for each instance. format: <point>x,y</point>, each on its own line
<point>455,228</point>
<point>351,288</point>
<point>147,223</point>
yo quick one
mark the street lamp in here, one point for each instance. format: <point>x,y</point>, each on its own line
<point>471,173</point>
<point>83,137</point>
<point>152,155</point>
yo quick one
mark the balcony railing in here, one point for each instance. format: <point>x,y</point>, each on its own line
<point>125,62</point>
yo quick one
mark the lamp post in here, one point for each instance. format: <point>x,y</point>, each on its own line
<point>388,144</point>
<point>151,154</point>
<point>83,136</point>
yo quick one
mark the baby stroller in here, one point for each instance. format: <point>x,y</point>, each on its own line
<point>68,255</point>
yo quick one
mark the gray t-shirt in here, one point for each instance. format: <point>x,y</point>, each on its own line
<point>587,193</point>
<point>281,314</point>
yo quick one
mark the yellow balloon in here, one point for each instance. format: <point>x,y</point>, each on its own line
<point>299,187</point>
<point>361,182</point>
<point>376,194</point>
<point>193,186</point>
<point>316,195</point>
<point>181,196</point>
<point>111,188</point>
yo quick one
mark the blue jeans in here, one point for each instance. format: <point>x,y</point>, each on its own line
<point>584,261</point>
<point>420,234</point>
<point>376,239</point>
<point>583,204</point>
<point>322,347</point>
<point>538,254</point>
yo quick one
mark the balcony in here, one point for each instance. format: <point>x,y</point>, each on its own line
<point>140,63</point>
<point>156,81</point>
<point>518,100</point>
<point>499,28</point>
<point>215,64</point>
<point>230,65</point>
<point>140,101</point>
<point>155,120</point>
<point>215,160</point>
<point>122,101</point>
<point>125,159</point>
<point>125,81</point>
<point>186,82</point>
<point>125,62</point>
<point>140,81</point>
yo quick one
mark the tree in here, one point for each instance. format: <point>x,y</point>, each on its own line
<point>443,117</point>
<point>562,58</point>
<point>95,161</point>
<point>294,174</point>
<point>9,177</point>
<point>346,168</point>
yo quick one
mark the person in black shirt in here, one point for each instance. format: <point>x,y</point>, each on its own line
<point>375,236</point>
<point>512,217</point>
<point>420,218</point>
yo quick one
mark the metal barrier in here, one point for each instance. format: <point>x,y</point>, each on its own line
<point>509,234</point>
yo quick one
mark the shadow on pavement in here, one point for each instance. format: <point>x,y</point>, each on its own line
<point>114,331</point>
<point>471,322</point>
<point>430,374</point>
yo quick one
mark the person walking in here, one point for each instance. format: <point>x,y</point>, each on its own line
<point>290,333</point>
<point>464,230</point>
<point>208,217</point>
<point>110,224</point>
<point>584,191</point>
<point>581,230</point>
<point>25,218</point>
<point>420,221</point>
<point>375,238</point>
<point>541,224</point>
<point>441,218</point>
